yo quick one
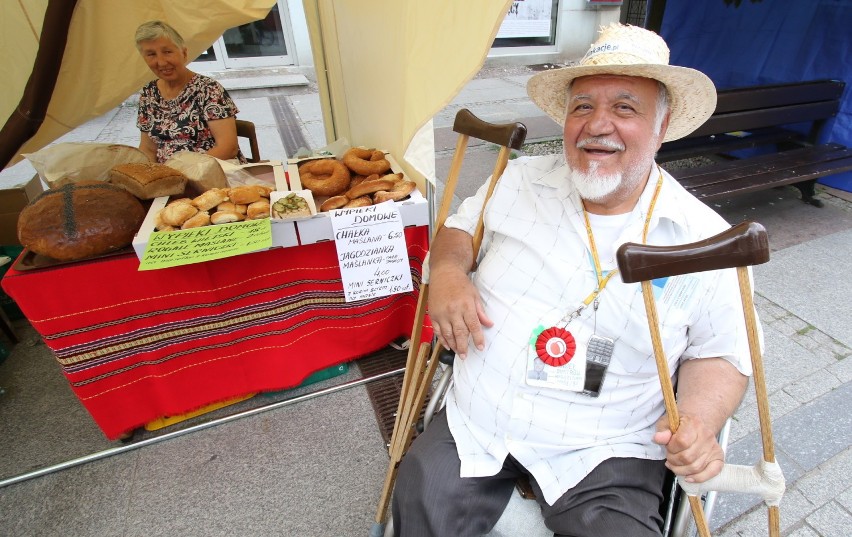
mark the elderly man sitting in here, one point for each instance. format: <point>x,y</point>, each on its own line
<point>554,374</point>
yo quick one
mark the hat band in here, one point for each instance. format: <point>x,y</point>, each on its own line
<point>636,50</point>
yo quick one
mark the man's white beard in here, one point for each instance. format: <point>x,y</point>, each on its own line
<point>598,188</point>
<point>593,186</point>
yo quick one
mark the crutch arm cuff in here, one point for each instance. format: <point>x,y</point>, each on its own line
<point>764,479</point>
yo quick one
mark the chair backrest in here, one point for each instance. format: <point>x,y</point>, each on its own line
<point>245,129</point>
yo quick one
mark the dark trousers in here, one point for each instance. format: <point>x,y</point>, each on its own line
<point>620,497</point>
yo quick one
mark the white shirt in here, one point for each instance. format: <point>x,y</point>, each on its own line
<point>535,266</point>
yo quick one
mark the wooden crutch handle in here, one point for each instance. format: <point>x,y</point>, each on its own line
<point>743,245</point>
<point>511,135</point>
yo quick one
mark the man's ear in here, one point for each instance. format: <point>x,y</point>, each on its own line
<point>664,126</point>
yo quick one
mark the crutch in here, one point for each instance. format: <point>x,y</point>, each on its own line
<point>419,370</point>
<point>739,247</point>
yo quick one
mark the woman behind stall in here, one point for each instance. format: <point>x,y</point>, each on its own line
<point>181,110</point>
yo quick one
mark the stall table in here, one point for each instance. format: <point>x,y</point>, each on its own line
<point>139,345</point>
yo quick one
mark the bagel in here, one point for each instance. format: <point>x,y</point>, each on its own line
<point>334,202</point>
<point>369,187</point>
<point>400,190</point>
<point>326,177</point>
<point>362,201</point>
<point>366,161</point>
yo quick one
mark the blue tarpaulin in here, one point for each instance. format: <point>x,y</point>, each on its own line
<point>768,42</point>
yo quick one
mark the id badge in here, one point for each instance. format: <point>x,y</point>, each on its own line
<point>558,347</point>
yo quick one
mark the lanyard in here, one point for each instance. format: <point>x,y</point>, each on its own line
<point>603,280</point>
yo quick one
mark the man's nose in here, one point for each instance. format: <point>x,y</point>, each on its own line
<point>599,123</point>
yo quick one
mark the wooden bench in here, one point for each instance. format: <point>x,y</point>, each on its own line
<point>759,116</point>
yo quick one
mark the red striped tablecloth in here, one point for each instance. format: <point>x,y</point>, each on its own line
<point>136,346</point>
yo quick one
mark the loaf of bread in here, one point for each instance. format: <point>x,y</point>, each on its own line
<point>148,180</point>
<point>80,220</point>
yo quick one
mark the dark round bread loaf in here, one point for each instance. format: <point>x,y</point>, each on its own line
<point>80,220</point>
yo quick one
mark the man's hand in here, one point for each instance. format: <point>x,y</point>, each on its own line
<point>454,304</point>
<point>693,451</point>
<point>456,311</point>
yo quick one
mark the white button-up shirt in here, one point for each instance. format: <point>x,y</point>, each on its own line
<point>535,266</point>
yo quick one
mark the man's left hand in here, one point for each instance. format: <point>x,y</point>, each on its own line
<point>693,451</point>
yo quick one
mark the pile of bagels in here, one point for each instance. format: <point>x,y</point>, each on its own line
<point>360,178</point>
<point>215,206</point>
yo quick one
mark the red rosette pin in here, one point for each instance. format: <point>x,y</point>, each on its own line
<point>555,346</point>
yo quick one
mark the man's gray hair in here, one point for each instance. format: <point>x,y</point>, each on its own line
<point>148,31</point>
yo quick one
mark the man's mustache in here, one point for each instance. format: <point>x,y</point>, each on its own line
<point>597,140</point>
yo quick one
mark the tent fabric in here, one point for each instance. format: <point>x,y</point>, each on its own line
<point>393,65</point>
<point>763,42</point>
<point>101,66</point>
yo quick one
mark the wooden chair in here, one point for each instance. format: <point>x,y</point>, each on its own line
<point>245,129</point>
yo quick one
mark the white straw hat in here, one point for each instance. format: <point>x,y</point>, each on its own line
<point>631,51</point>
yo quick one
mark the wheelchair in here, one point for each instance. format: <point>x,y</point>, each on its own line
<point>522,515</point>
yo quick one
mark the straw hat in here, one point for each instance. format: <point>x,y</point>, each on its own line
<point>632,51</point>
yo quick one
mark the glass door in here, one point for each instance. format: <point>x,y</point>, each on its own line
<point>256,44</point>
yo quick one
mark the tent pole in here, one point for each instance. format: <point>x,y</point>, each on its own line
<point>32,109</point>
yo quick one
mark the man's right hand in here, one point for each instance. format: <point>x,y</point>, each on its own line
<point>456,310</point>
<point>454,304</point>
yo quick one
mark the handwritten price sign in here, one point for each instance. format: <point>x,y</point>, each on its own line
<point>371,251</point>
<point>175,248</point>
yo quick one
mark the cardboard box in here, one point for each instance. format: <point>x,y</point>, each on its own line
<point>414,210</point>
<point>283,232</point>
<point>12,201</point>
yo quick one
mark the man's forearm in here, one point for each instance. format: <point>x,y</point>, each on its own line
<point>710,388</point>
<point>453,249</point>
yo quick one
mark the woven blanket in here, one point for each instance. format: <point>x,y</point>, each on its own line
<point>136,346</point>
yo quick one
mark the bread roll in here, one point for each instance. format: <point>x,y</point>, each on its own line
<point>148,180</point>
<point>257,210</point>
<point>226,217</point>
<point>80,220</point>
<point>210,199</point>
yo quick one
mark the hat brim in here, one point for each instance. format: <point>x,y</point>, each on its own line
<point>692,94</point>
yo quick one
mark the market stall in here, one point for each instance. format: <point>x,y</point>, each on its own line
<point>138,345</point>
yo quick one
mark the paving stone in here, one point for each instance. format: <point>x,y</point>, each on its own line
<point>845,499</point>
<point>831,519</point>
<point>812,386</point>
<point>828,481</point>
<point>768,310</point>
<point>804,531</point>
<point>842,369</point>
<point>747,420</point>
<point>817,431</point>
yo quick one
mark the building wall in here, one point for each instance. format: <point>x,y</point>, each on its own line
<point>577,26</point>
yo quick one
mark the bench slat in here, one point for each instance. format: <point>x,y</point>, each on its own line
<point>725,143</point>
<point>756,97</point>
<point>767,117</point>
<point>734,181</point>
<point>773,162</point>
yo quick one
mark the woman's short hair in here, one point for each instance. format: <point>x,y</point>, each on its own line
<point>148,31</point>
